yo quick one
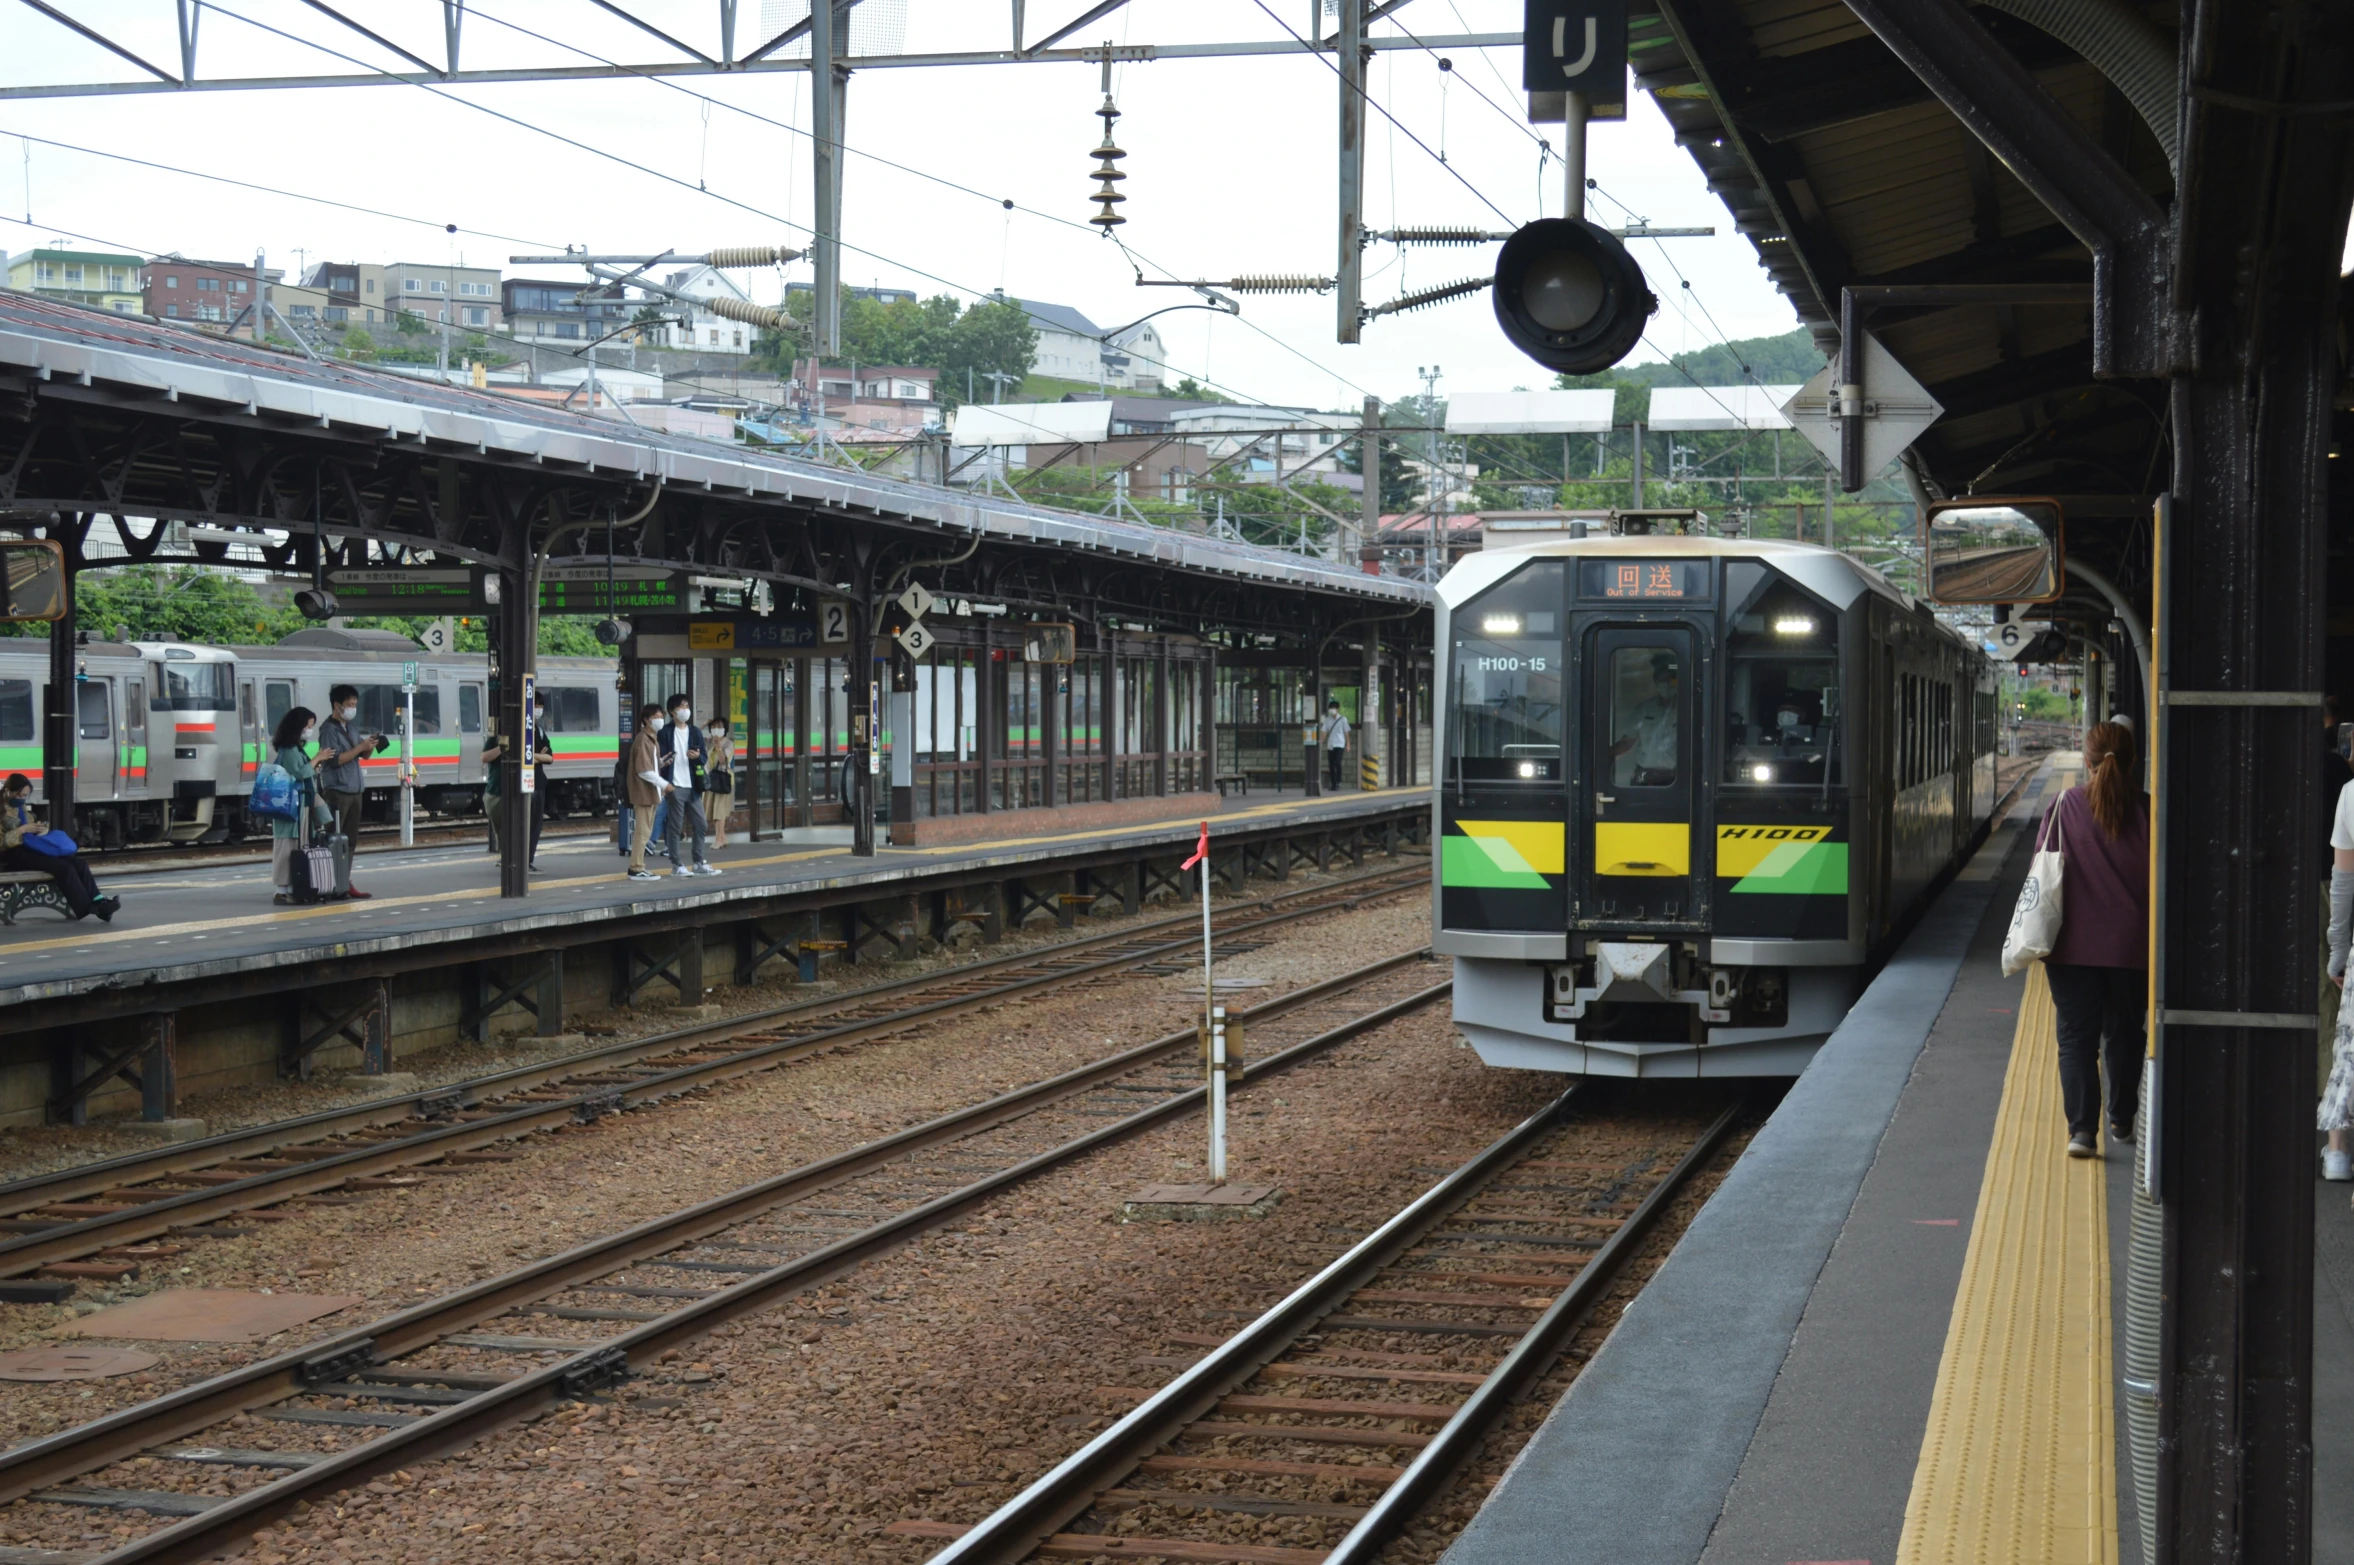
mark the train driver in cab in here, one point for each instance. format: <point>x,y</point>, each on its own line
<point>1647,731</point>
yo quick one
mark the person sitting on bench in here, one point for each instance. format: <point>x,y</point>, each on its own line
<point>74,881</point>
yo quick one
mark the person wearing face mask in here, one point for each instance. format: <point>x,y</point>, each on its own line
<point>292,741</point>
<point>74,881</point>
<point>341,744</point>
<point>719,779</point>
<point>543,751</point>
<point>681,759</point>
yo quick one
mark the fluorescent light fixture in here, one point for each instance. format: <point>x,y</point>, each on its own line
<point>1500,625</point>
<point>1794,625</point>
<point>1761,774</point>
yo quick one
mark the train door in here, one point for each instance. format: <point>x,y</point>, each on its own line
<point>1641,779</point>
<point>249,734</point>
<point>95,769</point>
<point>132,747</point>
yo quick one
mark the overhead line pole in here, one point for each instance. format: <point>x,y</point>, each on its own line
<point>828,87</point>
<point>1349,273</point>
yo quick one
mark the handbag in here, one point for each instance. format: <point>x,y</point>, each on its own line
<point>54,843</point>
<point>2036,921</point>
<point>274,797</point>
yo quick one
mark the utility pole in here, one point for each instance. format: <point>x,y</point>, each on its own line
<point>1369,503</point>
<point>1349,273</point>
<point>829,86</point>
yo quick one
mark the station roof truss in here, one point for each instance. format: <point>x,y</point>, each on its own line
<point>1844,172</point>
<point>104,416</point>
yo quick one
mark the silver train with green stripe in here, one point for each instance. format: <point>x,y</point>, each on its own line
<point>1691,790</point>
<point>171,735</point>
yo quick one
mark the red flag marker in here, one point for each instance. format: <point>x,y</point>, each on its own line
<point>1201,849</point>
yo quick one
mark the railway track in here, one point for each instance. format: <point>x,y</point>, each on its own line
<point>103,1220</point>
<point>1498,1265</point>
<point>435,1377</point>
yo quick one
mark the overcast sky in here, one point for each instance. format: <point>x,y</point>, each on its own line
<point>1230,167</point>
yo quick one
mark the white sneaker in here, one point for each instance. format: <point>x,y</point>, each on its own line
<point>682,870</point>
<point>2337,1165</point>
<point>705,869</point>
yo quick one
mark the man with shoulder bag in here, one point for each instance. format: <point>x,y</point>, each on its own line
<point>341,744</point>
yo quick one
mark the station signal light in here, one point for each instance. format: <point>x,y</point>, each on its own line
<point>1569,296</point>
<point>612,632</point>
<point>316,603</point>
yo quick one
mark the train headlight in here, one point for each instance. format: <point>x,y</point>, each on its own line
<point>1794,625</point>
<point>1500,625</point>
<point>1528,768</point>
<point>1763,774</point>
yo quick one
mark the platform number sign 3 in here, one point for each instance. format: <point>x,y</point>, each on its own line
<point>1575,46</point>
<point>833,622</point>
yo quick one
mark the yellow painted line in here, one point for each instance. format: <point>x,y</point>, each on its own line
<point>278,915</point>
<point>2019,1459</point>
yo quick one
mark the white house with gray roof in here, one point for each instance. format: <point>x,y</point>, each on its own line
<point>1072,347</point>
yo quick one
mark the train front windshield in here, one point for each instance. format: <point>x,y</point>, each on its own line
<point>1506,678</point>
<point>1782,712</point>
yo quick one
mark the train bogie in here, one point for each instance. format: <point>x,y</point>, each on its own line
<point>1690,788</point>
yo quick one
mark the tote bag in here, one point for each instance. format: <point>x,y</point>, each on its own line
<point>2035,922</point>
<point>273,797</point>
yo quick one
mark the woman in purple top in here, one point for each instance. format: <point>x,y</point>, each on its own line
<point>2099,968</point>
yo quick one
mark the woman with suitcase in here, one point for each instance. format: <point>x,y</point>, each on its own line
<point>290,837</point>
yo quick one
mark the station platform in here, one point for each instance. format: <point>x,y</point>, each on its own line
<point>1895,1334</point>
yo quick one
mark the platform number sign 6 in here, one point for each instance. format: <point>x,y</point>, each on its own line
<point>833,622</point>
<point>1575,46</point>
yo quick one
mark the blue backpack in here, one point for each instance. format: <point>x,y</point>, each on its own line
<point>275,796</point>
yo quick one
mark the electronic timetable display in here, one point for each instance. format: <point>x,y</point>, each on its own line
<point>1623,580</point>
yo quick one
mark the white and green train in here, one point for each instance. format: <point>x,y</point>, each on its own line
<point>170,735</point>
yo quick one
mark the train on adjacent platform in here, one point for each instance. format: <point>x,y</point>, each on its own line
<point>170,736</point>
<point>1691,789</point>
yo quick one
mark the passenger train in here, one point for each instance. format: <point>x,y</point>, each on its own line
<point>1691,789</point>
<point>171,736</point>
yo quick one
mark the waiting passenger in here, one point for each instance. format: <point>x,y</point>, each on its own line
<point>679,750</point>
<point>292,740</point>
<point>74,881</point>
<point>642,791</point>
<point>719,774</point>
<point>342,743</point>
<point>2099,967</point>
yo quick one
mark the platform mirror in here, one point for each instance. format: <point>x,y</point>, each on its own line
<point>32,579</point>
<point>1994,551</point>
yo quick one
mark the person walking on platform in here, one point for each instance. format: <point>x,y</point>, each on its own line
<point>643,790</point>
<point>292,740</point>
<point>57,858</point>
<point>1336,743</point>
<point>2099,967</point>
<point>679,746</point>
<point>341,744</point>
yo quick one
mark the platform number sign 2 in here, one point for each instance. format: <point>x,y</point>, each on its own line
<point>833,623</point>
<point>1575,46</point>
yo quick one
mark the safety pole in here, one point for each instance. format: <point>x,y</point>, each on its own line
<point>1213,1019</point>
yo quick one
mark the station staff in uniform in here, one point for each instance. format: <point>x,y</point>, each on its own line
<point>1649,731</point>
<point>1336,742</point>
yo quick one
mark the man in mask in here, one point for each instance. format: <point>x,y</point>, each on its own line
<point>341,744</point>
<point>679,753</point>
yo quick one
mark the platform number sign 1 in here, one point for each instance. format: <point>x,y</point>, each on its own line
<point>833,623</point>
<point>1575,46</point>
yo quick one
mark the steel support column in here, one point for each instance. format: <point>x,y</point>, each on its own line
<point>862,726</point>
<point>1349,269</point>
<point>828,87</point>
<point>60,717</point>
<point>513,636</point>
<point>2059,162</point>
<point>2262,208</point>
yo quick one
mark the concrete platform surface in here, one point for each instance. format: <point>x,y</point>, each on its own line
<point>209,919</point>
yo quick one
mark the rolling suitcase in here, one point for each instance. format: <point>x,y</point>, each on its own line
<point>338,851</point>
<point>299,882</point>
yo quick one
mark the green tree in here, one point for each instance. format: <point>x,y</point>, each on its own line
<point>357,344</point>
<point>178,603</point>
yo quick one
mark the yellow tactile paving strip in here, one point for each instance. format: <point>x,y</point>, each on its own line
<point>2018,1465</point>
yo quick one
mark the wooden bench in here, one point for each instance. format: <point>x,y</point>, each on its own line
<point>1240,780</point>
<point>28,888</point>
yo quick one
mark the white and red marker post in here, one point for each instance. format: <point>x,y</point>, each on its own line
<point>1213,1020</point>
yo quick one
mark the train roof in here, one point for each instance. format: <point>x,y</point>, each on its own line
<point>1836,578</point>
<point>336,638</point>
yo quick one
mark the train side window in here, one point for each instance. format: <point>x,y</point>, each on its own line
<point>97,722</point>
<point>1505,665</point>
<point>469,709</point>
<point>16,711</point>
<point>571,710</point>
<point>1782,706</point>
<point>277,701</point>
<point>428,701</point>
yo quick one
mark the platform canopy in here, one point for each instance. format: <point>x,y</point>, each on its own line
<point>1032,423</point>
<point>1530,412</point>
<point>1720,407</point>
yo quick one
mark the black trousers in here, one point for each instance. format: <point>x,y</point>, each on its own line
<point>2100,1024</point>
<point>73,877</point>
<point>1333,756</point>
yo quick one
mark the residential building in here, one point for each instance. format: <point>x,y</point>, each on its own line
<point>102,279</point>
<point>466,297</point>
<point>553,311</point>
<point>356,295</point>
<point>1072,347</point>
<point>1313,443</point>
<point>696,326</point>
<point>897,398</point>
<point>208,293</point>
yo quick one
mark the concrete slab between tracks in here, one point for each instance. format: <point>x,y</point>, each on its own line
<point>1764,1397</point>
<point>201,966</point>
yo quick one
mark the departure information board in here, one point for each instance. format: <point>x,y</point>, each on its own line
<point>1623,580</point>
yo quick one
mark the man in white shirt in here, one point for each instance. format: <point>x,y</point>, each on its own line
<point>679,757</point>
<point>1336,743</point>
